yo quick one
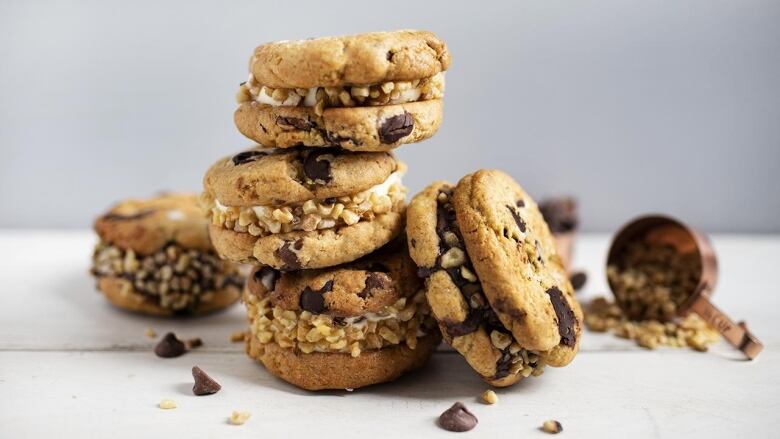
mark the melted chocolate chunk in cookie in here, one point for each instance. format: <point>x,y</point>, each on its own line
<point>267,276</point>
<point>288,255</point>
<point>294,122</point>
<point>247,156</point>
<point>518,220</point>
<point>565,315</point>
<point>316,166</point>
<point>396,128</point>
<point>314,300</point>
<point>374,281</point>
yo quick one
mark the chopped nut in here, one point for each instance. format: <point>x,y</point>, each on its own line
<point>238,336</point>
<point>150,333</point>
<point>602,316</point>
<point>401,322</point>
<point>489,397</point>
<point>552,426</point>
<point>167,404</point>
<point>453,258</point>
<point>500,340</point>
<point>239,417</point>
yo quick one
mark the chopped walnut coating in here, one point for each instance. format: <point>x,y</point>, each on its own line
<point>692,331</point>
<point>308,216</point>
<point>403,322</point>
<point>176,278</point>
<point>386,93</point>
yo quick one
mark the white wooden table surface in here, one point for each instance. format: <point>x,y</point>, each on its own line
<point>73,366</point>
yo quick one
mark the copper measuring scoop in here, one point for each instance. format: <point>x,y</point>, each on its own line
<point>657,229</point>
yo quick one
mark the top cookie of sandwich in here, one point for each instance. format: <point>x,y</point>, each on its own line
<point>516,260</point>
<point>267,176</point>
<point>350,60</point>
<point>146,225</point>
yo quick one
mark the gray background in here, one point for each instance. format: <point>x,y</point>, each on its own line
<point>632,106</point>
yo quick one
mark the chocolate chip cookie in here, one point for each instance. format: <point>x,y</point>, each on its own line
<point>347,326</point>
<point>367,92</point>
<point>154,257</point>
<point>304,208</point>
<point>474,312</point>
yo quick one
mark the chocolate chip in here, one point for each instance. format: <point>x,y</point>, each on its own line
<point>565,315</point>
<point>134,216</point>
<point>169,347</point>
<point>314,300</point>
<point>374,281</point>
<point>520,203</point>
<point>472,322</point>
<point>560,214</point>
<point>288,256</point>
<point>457,418</point>
<point>294,122</point>
<point>247,156</point>
<point>317,167</point>
<point>578,279</point>
<point>518,220</point>
<point>204,384</point>
<point>267,277</point>
<point>396,127</point>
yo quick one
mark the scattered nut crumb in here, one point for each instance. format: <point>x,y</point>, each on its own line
<point>238,336</point>
<point>150,333</point>
<point>238,418</point>
<point>167,404</point>
<point>552,426</point>
<point>602,315</point>
<point>193,343</point>
<point>489,397</point>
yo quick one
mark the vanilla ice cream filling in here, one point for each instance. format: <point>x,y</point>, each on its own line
<point>312,214</point>
<point>385,93</point>
<point>404,321</point>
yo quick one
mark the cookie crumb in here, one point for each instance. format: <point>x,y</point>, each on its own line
<point>150,333</point>
<point>552,426</point>
<point>204,384</point>
<point>238,336</point>
<point>169,347</point>
<point>238,418</point>
<point>168,404</point>
<point>489,397</point>
<point>457,418</point>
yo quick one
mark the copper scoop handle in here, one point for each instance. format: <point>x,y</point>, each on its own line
<point>735,333</point>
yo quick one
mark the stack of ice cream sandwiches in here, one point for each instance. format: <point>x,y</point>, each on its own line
<point>318,206</point>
